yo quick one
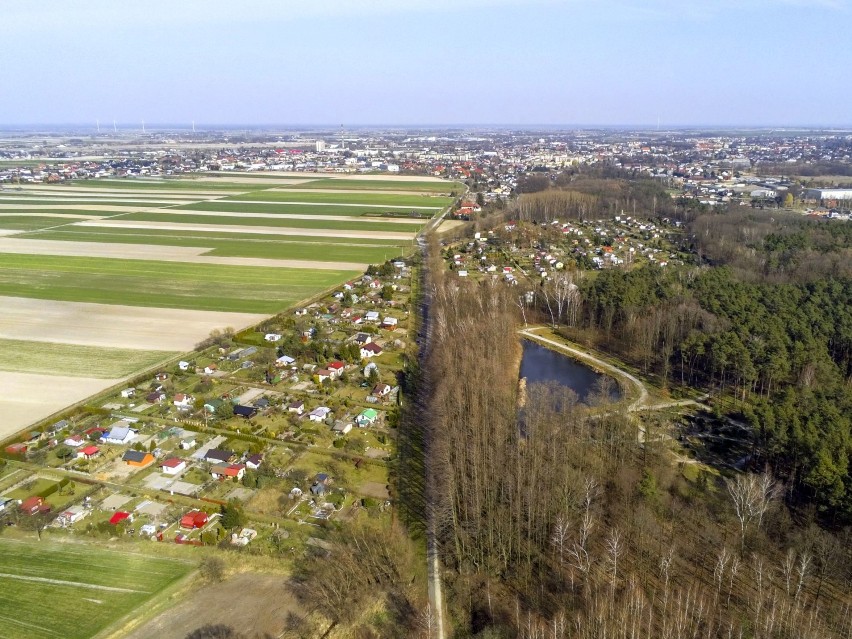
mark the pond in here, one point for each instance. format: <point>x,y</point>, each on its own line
<point>540,364</point>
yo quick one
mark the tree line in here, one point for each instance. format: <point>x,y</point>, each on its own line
<point>555,524</point>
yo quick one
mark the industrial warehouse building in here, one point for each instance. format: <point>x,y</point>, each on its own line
<point>828,194</point>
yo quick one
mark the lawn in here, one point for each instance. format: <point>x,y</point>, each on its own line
<point>383,185</point>
<point>319,223</point>
<point>228,206</point>
<point>72,590</point>
<point>237,245</point>
<point>246,289</point>
<point>74,360</point>
<point>376,199</point>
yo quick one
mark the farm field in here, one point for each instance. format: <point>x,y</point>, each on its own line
<point>247,289</point>
<point>181,226</point>
<point>31,202</point>
<point>401,184</point>
<point>315,208</point>
<point>170,260</point>
<point>30,397</point>
<point>33,222</point>
<point>75,591</point>
<point>75,360</point>
<point>253,246</point>
<point>376,199</point>
<point>247,220</point>
<point>113,325</point>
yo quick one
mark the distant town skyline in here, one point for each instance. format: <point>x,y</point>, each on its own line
<point>749,63</point>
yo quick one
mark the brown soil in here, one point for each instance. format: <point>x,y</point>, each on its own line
<point>249,603</point>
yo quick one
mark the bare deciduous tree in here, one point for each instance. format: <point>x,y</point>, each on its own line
<point>751,496</point>
<point>787,568</point>
<point>614,548</point>
<point>802,570</point>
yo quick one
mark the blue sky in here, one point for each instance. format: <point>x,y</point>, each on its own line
<point>572,62</point>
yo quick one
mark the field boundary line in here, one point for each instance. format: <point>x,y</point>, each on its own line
<point>76,584</point>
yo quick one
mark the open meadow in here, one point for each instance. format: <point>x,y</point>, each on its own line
<point>124,273</point>
<point>74,591</point>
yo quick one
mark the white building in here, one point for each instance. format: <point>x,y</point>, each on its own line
<point>828,194</point>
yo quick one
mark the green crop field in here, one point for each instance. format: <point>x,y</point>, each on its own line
<point>300,209</point>
<point>376,199</point>
<point>70,232</point>
<point>73,359</point>
<point>319,223</point>
<point>31,223</point>
<point>247,289</point>
<point>74,591</point>
<point>120,200</point>
<point>187,183</point>
<point>234,245</point>
<point>383,185</point>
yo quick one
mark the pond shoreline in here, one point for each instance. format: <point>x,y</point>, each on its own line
<point>543,364</point>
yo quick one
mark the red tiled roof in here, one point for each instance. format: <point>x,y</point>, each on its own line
<point>118,516</point>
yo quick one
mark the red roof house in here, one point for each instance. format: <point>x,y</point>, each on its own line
<point>16,449</point>
<point>193,519</point>
<point>88,452</point>
<point>33,504</point>
<point>118,515</point>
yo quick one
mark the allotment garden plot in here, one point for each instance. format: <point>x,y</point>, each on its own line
<point>215,251</point>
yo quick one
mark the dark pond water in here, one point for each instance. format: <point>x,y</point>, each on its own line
<point>540,364</point>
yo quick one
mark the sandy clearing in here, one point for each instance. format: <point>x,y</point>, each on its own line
<point>255,230</point>
<point>113,325</point>
<point>158,253</point>
<point>374,206</point>
<point>9,232</point>
<point>298,216</point>
<point>28,397</point>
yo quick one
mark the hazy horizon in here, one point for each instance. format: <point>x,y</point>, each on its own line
<point>428,63</point>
